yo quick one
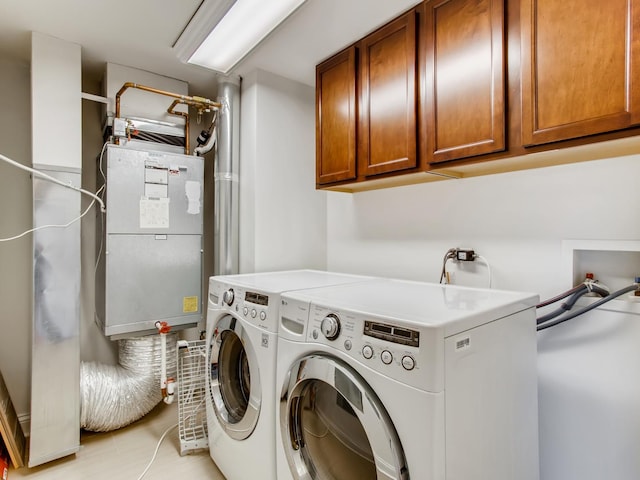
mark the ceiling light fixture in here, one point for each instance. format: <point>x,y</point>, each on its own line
<point>223,32</point>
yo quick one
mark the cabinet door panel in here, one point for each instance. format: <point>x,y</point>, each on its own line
<point>387,139</point>
<point>336,118</point>
<point>465,97</point>
<point>579,58</point>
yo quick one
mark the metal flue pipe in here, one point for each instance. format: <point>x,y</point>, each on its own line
<point>226,168</point>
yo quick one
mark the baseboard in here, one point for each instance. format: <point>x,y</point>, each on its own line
<point>25,422</point>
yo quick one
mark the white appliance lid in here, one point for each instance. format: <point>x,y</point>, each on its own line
<point>426,304</point>
<point>278,282</point>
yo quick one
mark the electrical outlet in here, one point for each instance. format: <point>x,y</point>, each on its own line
<point>465,255</point>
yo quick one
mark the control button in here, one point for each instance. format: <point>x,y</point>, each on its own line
<point>408,362</point>
<point>263,315</point>
<point>228,296</point>
<point>314,334</point>
<point>245,311</point>
<point>367,351</point>
<point>347,345</point>
<point>330,326</point>
<point>386,357</point>
<point>253,313</point>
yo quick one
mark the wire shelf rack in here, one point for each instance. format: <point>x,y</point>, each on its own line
<point>192,416</point>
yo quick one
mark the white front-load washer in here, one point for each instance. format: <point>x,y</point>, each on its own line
<point>393,379</point>
<point>241,332</point>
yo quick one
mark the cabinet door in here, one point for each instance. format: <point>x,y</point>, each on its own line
<point>579,67</point>
<point>464,109</point>
<point>387,134</point>
<point>336,118</point>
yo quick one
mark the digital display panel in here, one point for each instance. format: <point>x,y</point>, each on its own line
<point>391,333</point>
<point>257,298</point>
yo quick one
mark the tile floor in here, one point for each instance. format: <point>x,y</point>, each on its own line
<point>125,453</point>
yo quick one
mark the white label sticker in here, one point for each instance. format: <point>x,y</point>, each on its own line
<point>156,175</point>
<point>156,191</point>
<point>192,190</point>
<point>154,213</point>
<point>463,343</point>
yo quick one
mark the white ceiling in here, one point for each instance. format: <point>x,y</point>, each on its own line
<point>140,33</point>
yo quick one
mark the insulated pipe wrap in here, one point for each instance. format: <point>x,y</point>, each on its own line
<point>113,396</point>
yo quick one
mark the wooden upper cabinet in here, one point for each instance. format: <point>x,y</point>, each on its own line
<point>580,62</point>
<point>463,53</point>
<point>387,133</point>
<point>336,118</point>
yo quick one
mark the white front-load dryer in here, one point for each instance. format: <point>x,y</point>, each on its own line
<point>395,380</point>
<point>241,332</point>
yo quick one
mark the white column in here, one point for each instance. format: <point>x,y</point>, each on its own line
<point>56,113</point>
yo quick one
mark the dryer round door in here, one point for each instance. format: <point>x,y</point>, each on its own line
<point>334,426</point>
<point>234,378</point>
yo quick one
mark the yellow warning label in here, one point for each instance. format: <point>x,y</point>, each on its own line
<point>189,304</point>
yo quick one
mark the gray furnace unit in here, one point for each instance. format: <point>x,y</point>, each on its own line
<point>150,241</point>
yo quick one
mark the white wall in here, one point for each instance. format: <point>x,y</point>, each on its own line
<point>15,217</point>
<point>517,221</point>
<point>55,95</point>
<point>282,217</point>
<point>56,139</point>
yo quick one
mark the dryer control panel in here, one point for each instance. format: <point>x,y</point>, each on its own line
<point>392,333</point>
<point>406,353</point>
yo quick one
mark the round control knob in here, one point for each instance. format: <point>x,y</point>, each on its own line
<point>347,345</point>
<point>263,315</point>
<point>253,313</point>
<point>386,357</point>
<point>228,296</point>
<point>330,326</point>
<point>408,362</point>
<point>367,351</point>
<point>245,311</point>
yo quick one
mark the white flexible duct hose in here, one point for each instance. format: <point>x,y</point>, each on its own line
<point>113,396</point>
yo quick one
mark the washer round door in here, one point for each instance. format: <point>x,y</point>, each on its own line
<point>334,426</point>
<point>234,378</point>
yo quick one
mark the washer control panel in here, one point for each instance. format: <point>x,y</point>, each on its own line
<point>402,352</point>
<point>228,297</point>
<point>330,326</point>
<point>258,308</point>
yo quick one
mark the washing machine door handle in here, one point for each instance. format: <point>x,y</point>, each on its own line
<point>299,393</point>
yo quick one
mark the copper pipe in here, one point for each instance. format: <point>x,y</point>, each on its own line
<point>201,103</point>
<point>186,123</point>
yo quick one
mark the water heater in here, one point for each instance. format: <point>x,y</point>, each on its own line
<point>149,265</point>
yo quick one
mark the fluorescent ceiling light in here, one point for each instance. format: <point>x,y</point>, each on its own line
<point>231,35</point>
